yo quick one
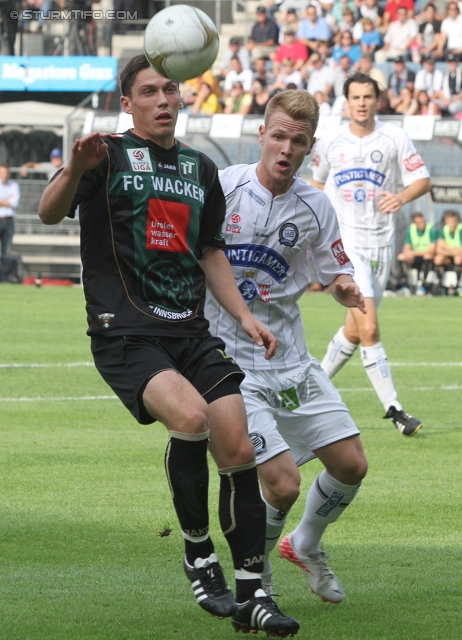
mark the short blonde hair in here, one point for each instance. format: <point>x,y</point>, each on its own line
<point>298,104</point>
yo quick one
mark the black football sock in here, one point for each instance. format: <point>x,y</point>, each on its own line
<point>188,477</point>
<point>243,521</point>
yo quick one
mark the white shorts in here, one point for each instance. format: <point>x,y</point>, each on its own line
<point>297,409</point>
<point>372,269</point>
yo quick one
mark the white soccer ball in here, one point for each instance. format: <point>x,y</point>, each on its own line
<point>181,42</point>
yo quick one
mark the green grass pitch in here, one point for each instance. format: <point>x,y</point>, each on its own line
<point>83,495</point>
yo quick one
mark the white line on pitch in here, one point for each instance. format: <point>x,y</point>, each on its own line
<point>449,387</point>
<point>416,364</point>
<point>63,399</point>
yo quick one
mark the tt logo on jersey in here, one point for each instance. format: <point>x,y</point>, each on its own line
<point>339,252</point>
<point>189,168</point>
<point>140,159</point>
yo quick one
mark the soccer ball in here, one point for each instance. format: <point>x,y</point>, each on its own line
<point>181,42</point>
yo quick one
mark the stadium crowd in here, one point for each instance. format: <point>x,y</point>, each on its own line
<point>412,49</point>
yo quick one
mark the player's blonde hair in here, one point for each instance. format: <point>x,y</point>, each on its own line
<point>298,104</point>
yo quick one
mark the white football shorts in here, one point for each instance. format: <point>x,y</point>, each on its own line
<point>297,409</point>
<point>372,270</point>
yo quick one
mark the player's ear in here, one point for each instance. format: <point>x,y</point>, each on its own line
<point>125,102</point>
<point>261,134</point>
<point>181,105</point>
<point>313,142</point>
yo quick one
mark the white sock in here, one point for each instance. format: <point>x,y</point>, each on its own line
<point>338,353</point>
<point>275,522</point>
<point>377,368</point>
<point>325,503</point>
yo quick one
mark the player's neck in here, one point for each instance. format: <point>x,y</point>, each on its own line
<point>362,129</point>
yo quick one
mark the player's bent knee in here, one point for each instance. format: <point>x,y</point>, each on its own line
<point>192,419</point>
<point>283,495</point>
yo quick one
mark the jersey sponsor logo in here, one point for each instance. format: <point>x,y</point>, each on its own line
<point>105,319</point>
<point>351,175</point>
<point>178,187</point>
<point>235,218</point>
<point>414,162</point>
<point>189,168</point>
<point>253,195</point>
<point>376,156</point>
<point>259,443</point>
<point>360,195</point>
<point>339,253</point>
<point>171,315</point>
<point>167,226</point>
<point>288,234</point>
<point>140,159</point>
<point>233,228</point>
<point>258,257</point>
<point>162,165</point>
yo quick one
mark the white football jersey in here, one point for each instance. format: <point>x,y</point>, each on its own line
<point>267,240</point>
<point>355,170</point>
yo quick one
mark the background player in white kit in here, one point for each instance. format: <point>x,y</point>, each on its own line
<point>358,167</point>
<point>293,409</point>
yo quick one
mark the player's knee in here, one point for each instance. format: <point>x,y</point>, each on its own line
<point>371,332</point>
<point>284,494</point>
<point>355,469</point>
<point>192,419</point>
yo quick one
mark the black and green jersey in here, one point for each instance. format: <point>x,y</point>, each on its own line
<point>147,215</point>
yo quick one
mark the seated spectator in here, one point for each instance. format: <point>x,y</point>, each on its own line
<point>234,50</point>
<point>260,72</point>
<point>323,51</point>
<point>238,101</point>
<point>429,78</point>
<point>313,29</point>
<point>429,38</point>
<point>348,24</point>
<point>365,65</point>
<point>371,39</point>
<point>264,36</point>
<point>206,103</point>
<point>450,96</point>
<point>287,75</point>
<point>418,252</point>
<point>400,77</point>
<point>323,102</point>
<point>261,97</point>
<point>451,30</point>
<point>370,9</point>
<point>190,88</point>
<point>237,73</point>
<point>449,246</point>
<point>398,36</point>
<point>288,20</point>
<point>407,105</point>
<point>50,168</point>
<point>318,75</point>
<point>340,74</point>
<point>390,13</point>
<point>338,11</point>
<point>346,48</point>
<point>425,106</point>
<point>292,49</point>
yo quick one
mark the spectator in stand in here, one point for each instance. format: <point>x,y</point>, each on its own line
<point>313,29</point>
<point>449,247</point>
<point>237,74</point>
<point>390,13</point>
<point>371,40</point>
<point>323,51</point>
<point>349,24</point>
<point>292,49</point>
<point>425,106</point>
<point>264,36</point>
<point>318,75</point>
<point>234,50</point>
<point>50,168</point>
<point>238,101</point>
<point>261,97</point>
<point>369,9</point>
<point>346,48</point>
<point>206,103</point>
<point>365,65</point>
<point>324,105</point>
<point>429,78</point>
<point>288,20</point>
<point>260,72</point>
<point>451,30</point>
<point>190,88</point>
<point>287,75</point>
<point>407,105</point>
<point>450,97</point>
<point>429,36</point>
<point>400,77</point>
<point>9,200</point>
<point>418,252</point>
<point>340,74</point>
<point>338,11</point>
<point>398,37</point>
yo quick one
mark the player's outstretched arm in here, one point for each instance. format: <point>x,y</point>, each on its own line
<point>220,281</point>
<point>345,290</point>
<point>392,202</point>
<point>57,198</point>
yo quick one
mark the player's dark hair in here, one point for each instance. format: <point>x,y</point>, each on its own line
<point>130,72</point>
<point>430,4</point>
<point>360,78</point>
<point>417,214</point>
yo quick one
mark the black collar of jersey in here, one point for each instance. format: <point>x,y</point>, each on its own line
<point>151,144</point>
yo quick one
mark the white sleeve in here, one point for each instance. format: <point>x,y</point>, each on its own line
<point>409,159</point>
<point>318,164</point>
<point>327,252</point>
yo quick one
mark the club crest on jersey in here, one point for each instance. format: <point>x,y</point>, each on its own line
<point>339,253</point>
<point>360,195</point>
<point>259,443</point>
<point>251,289</point>
<point>352,175</point>
<point>376,156</point>
<point>105,319</point>
<point>140,159</point>
<point>288,234</point>
<point>189,168</point>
